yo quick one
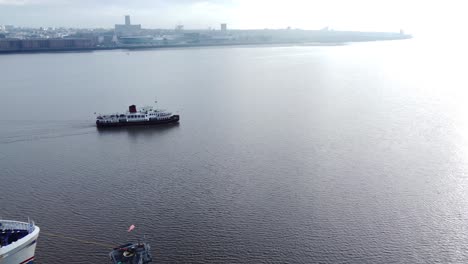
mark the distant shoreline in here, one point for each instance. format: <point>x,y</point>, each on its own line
<point>191,45</point>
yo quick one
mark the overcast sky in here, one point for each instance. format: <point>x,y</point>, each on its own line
<point>415,16</point>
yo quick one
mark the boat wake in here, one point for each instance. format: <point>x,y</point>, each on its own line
<point>22,132</point>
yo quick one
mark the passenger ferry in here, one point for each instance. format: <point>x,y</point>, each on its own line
<point>145,116</point>
<point>17,242</point>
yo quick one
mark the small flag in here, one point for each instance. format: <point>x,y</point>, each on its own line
<point>131,228</point>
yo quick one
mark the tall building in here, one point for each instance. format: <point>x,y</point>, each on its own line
<point>127,20</point>
<point>224,27</point>
<point>127,29</point>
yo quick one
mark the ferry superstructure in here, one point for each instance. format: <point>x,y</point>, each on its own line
<point>17,242</point>
<point>145,116</point>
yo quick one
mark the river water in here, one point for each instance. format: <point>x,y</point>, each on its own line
<point>296,154</point>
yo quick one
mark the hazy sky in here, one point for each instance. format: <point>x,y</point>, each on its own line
<point>415,16</point>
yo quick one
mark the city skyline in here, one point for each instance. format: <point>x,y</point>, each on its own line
<point>415,16</point>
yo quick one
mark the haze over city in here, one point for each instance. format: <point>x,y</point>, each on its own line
<point>414,16</point>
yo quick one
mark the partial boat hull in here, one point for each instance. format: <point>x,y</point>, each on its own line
<point>23,254</point>
<point>122,123</point>
<point>19,251</point>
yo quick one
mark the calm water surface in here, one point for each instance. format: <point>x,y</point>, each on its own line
<point>349,154</point>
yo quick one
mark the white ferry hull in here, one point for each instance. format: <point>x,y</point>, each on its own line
<point>21,255</point>
<point>21,251</point>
